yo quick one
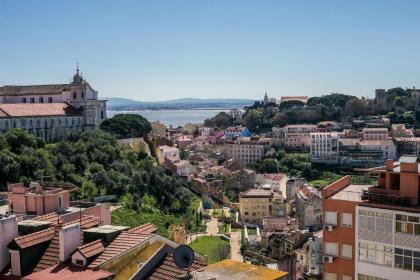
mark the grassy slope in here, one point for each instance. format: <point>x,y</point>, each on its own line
<point>206,245</point>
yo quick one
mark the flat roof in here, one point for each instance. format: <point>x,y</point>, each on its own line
<point>351,193</point>
<point>33,223</point>
<point>236,270</point>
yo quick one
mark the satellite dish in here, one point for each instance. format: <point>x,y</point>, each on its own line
<point>183,256</point>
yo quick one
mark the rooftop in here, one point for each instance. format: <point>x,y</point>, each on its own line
<point>260,193</point>
<point>235,270</point>
<point>36,110</point>
<point>168,270</point>
<point>68,272</point>
<point>33,89</point>
<point>351,193</point>
<point>106,229</point>
<point>144,229</point>
<point>91,249</point>
<point>123,242</point>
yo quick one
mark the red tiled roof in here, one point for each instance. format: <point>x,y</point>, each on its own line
<point>86,222</point>
<point>52,217</point>
<point>68,272</point>
<point>91,249</point>
<point>168,270</point>
<point>124,241</point>
<point>35,238</point>
<point>37,109</point>
<point>51,255</point>
<point>144,229</point>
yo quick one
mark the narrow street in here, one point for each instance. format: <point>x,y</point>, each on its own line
<point>235,246</point>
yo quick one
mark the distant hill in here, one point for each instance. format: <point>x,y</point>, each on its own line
<point>123,104</point>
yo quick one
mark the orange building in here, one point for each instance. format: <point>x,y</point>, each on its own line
<point>339,204</point>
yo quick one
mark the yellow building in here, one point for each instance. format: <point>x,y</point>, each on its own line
<point>257,204</point>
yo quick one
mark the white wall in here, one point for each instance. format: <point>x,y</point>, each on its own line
<point>8,231</point>
<point>69,239</point>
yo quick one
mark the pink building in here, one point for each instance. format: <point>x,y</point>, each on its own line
<point>39,198</point>
<point>375,133</point>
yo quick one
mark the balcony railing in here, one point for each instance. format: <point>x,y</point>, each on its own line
<point>392,199</point>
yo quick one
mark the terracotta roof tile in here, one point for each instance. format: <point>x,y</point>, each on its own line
<point>68,272</point>
<point>124,241</point>
<point>144,229</point>
<point>86,222</point>
<point>92,249</point>
<point>35,238</point>
<point>52,217</point>
<point>37,109</point>
<point>168,270</point>
<point>33,89</point>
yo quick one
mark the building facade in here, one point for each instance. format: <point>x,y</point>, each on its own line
<point>247,150</point>
<point>257,204</point>
<point>308,203</point>
<point>52,112</point>
<point>293,136</point>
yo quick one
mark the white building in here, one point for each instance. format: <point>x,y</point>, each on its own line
<point>315,254</point>
<point>387,244</point>
<point>276,181</point>
<point>51,111</point>
<point>165,151</point>
<point>324,147</point>
<point>247,150</point>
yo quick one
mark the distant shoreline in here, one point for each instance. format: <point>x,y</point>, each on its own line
<point>171,109</point>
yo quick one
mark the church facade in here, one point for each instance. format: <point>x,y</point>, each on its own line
<point>51,112</point>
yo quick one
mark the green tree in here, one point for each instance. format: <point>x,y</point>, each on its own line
<point>268,165</point>
<point>253,119</point>
<point>127,126</point>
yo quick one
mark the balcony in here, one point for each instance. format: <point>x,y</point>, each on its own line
<point>388,197</point>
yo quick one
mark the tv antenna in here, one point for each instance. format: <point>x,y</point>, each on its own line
<point>184,257</point>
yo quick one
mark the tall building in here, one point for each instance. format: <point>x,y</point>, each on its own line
<point>388,223</point>
<point>373,232</point>
<point>339,203</point>
<point>54,111</point>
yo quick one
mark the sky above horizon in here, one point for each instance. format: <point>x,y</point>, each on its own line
<point>159,50</point>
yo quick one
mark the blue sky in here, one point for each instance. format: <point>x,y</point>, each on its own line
<point>157,50</point>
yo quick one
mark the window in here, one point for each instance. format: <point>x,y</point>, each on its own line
<point>407,224</point>
<point>102,114</point>
<point>407,259</point>
<point>83,94</point>
<point>32,100</point>
<point>330,249</point>
<point>41,100</point>
<point>346,251</point>
<point>330,276</point>
<point>346,220</point>
<point>368,277</point>
<point>375,253</point>
<point>346,277</point>
<point>74,95</point>
<point>24,100</point>
<point>331,218</point>
<point>79,262</point>
<point>50,100</point>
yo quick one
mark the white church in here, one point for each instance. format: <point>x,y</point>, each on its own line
<point>52,112</point>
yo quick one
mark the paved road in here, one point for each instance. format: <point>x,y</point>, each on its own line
<point>235,246</point>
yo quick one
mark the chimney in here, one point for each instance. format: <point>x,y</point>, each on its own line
<point>389,165</point>
<point>69,240</point>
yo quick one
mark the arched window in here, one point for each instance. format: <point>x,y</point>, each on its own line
<point>83,94</point>
<point>74,95</point>
<point>41,100</point>
<point>50,100</point>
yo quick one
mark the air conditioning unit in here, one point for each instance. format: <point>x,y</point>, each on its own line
<point>328,259</point>
<point>328,227</point>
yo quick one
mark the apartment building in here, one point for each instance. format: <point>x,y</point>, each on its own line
<point>380,133</point>
<point>339,246</point>
<point>332,148</point>
<point>247,150</point>
<point>324,147</point>
<point>388,223</point>
<point>293,136</point>
<point>257,204</point>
